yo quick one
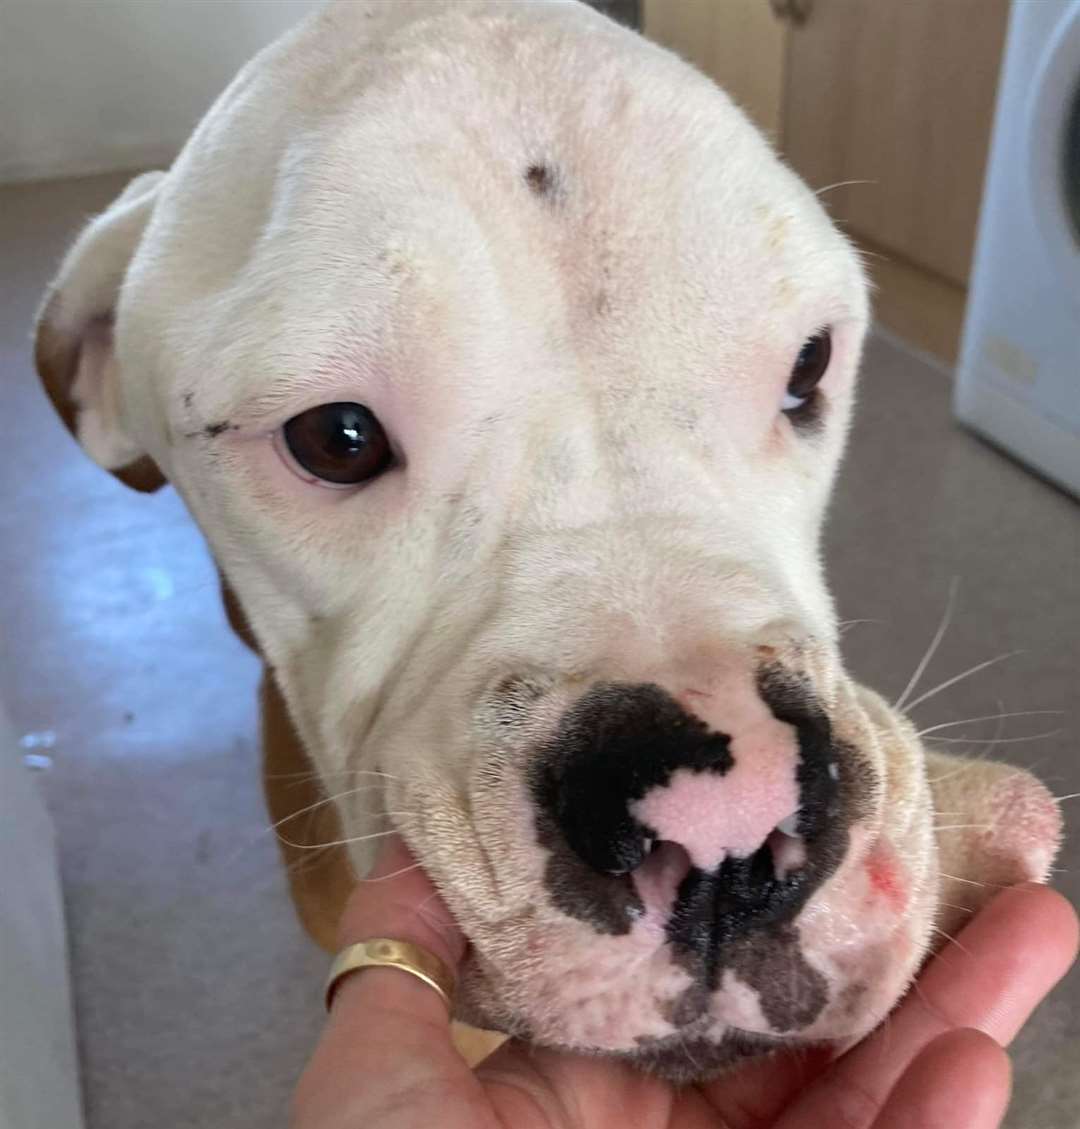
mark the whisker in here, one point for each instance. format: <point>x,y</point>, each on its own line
<point>322,803</point>
<point>959,678</point>
<point>686,1047</point>
<point>842,184</point>
<point>963,827</point>
<point>437,923</point>
<point>989,717</point>
<point>844,624</point>
<point>966,881</point>
<point>337,842</point>
<point>997,740</point>
<point>325,775</point>
<point>965,766</point>
<point>950,937</point>
<point>971,762</point>
<point>926,1001</point>
<point>972,882</point>
<point>946,619</point>
<point>1071,796</point>
<point>305,862</point>
<point>394,874</point>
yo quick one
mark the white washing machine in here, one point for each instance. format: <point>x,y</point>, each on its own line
<point>1018,382</point>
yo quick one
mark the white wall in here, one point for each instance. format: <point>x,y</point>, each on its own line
<point>95,85</point>
<point>39,1081</point>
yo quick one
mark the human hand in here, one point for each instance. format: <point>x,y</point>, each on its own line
<point>386,1061</point>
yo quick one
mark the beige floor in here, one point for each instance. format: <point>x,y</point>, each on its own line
<point>197,995</point>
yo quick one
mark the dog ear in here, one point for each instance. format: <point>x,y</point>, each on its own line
<point>73,347</point>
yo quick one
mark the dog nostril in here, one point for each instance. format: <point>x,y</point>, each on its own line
<point>762,871</point>
<point>608,840</point>
<point>786,847</point>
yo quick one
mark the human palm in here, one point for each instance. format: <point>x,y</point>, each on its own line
<point>386,1060</point>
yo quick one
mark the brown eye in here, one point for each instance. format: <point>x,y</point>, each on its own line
<point>339,443</point>
<point>809,368</point>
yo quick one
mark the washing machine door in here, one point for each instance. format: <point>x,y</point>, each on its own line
<point>1054,158</point>
<point>1018,381</point>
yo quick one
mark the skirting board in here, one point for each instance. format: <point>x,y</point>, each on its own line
<point>116,158</point>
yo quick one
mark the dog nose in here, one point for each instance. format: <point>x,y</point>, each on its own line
<point>717,828</point>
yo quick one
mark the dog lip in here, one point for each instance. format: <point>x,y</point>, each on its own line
<point>683,1058</point>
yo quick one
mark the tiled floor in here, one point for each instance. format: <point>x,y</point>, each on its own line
<point>197,995</point>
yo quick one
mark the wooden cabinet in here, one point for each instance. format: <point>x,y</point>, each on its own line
<point>892,102</point>
<point>625,11</point>
<point>740,43</point>
<point>899,93</point>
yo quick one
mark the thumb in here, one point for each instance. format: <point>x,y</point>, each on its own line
<point>385,1056</point>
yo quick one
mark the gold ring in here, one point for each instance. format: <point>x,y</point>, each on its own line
<point>385,952</point>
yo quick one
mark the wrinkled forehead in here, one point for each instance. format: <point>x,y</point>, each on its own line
<point>580,201</point>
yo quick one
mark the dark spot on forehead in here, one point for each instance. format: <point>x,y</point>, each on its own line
<point>188,399</point>
<point>685,418</point>
<point>541,179</point>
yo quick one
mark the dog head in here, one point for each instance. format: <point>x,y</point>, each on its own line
<point>507,370</point>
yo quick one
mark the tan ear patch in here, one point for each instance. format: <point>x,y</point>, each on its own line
<point>73,348</point>
<point>56,358</point>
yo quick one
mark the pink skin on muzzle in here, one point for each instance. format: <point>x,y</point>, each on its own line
<point>711,816</point>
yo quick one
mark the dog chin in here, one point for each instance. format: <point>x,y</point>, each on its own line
<point>701,1051</point>
<point>684,1058</point>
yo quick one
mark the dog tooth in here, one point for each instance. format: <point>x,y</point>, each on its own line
<point>790,826</point>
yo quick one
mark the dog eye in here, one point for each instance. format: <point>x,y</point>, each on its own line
<point>342,444</point>
<point>809,368</point>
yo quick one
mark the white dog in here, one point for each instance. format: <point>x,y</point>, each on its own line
<point>506,370</point>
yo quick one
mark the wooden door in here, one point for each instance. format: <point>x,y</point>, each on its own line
<point>739,43</point>
<point>900,93</point>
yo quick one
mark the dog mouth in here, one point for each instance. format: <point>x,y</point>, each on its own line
<point>688,1035</point>
<point>616,933</point>
<point>686,1057</point>
<point>637,998</point>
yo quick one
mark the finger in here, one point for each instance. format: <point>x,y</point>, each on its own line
<point>961,1080</point>
<point>757,1093</point>
<point>385,1056</point>
<point>398,900</point>
<point>957,990</point>
<point>1002,966</point>
<point>535,1085</point>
